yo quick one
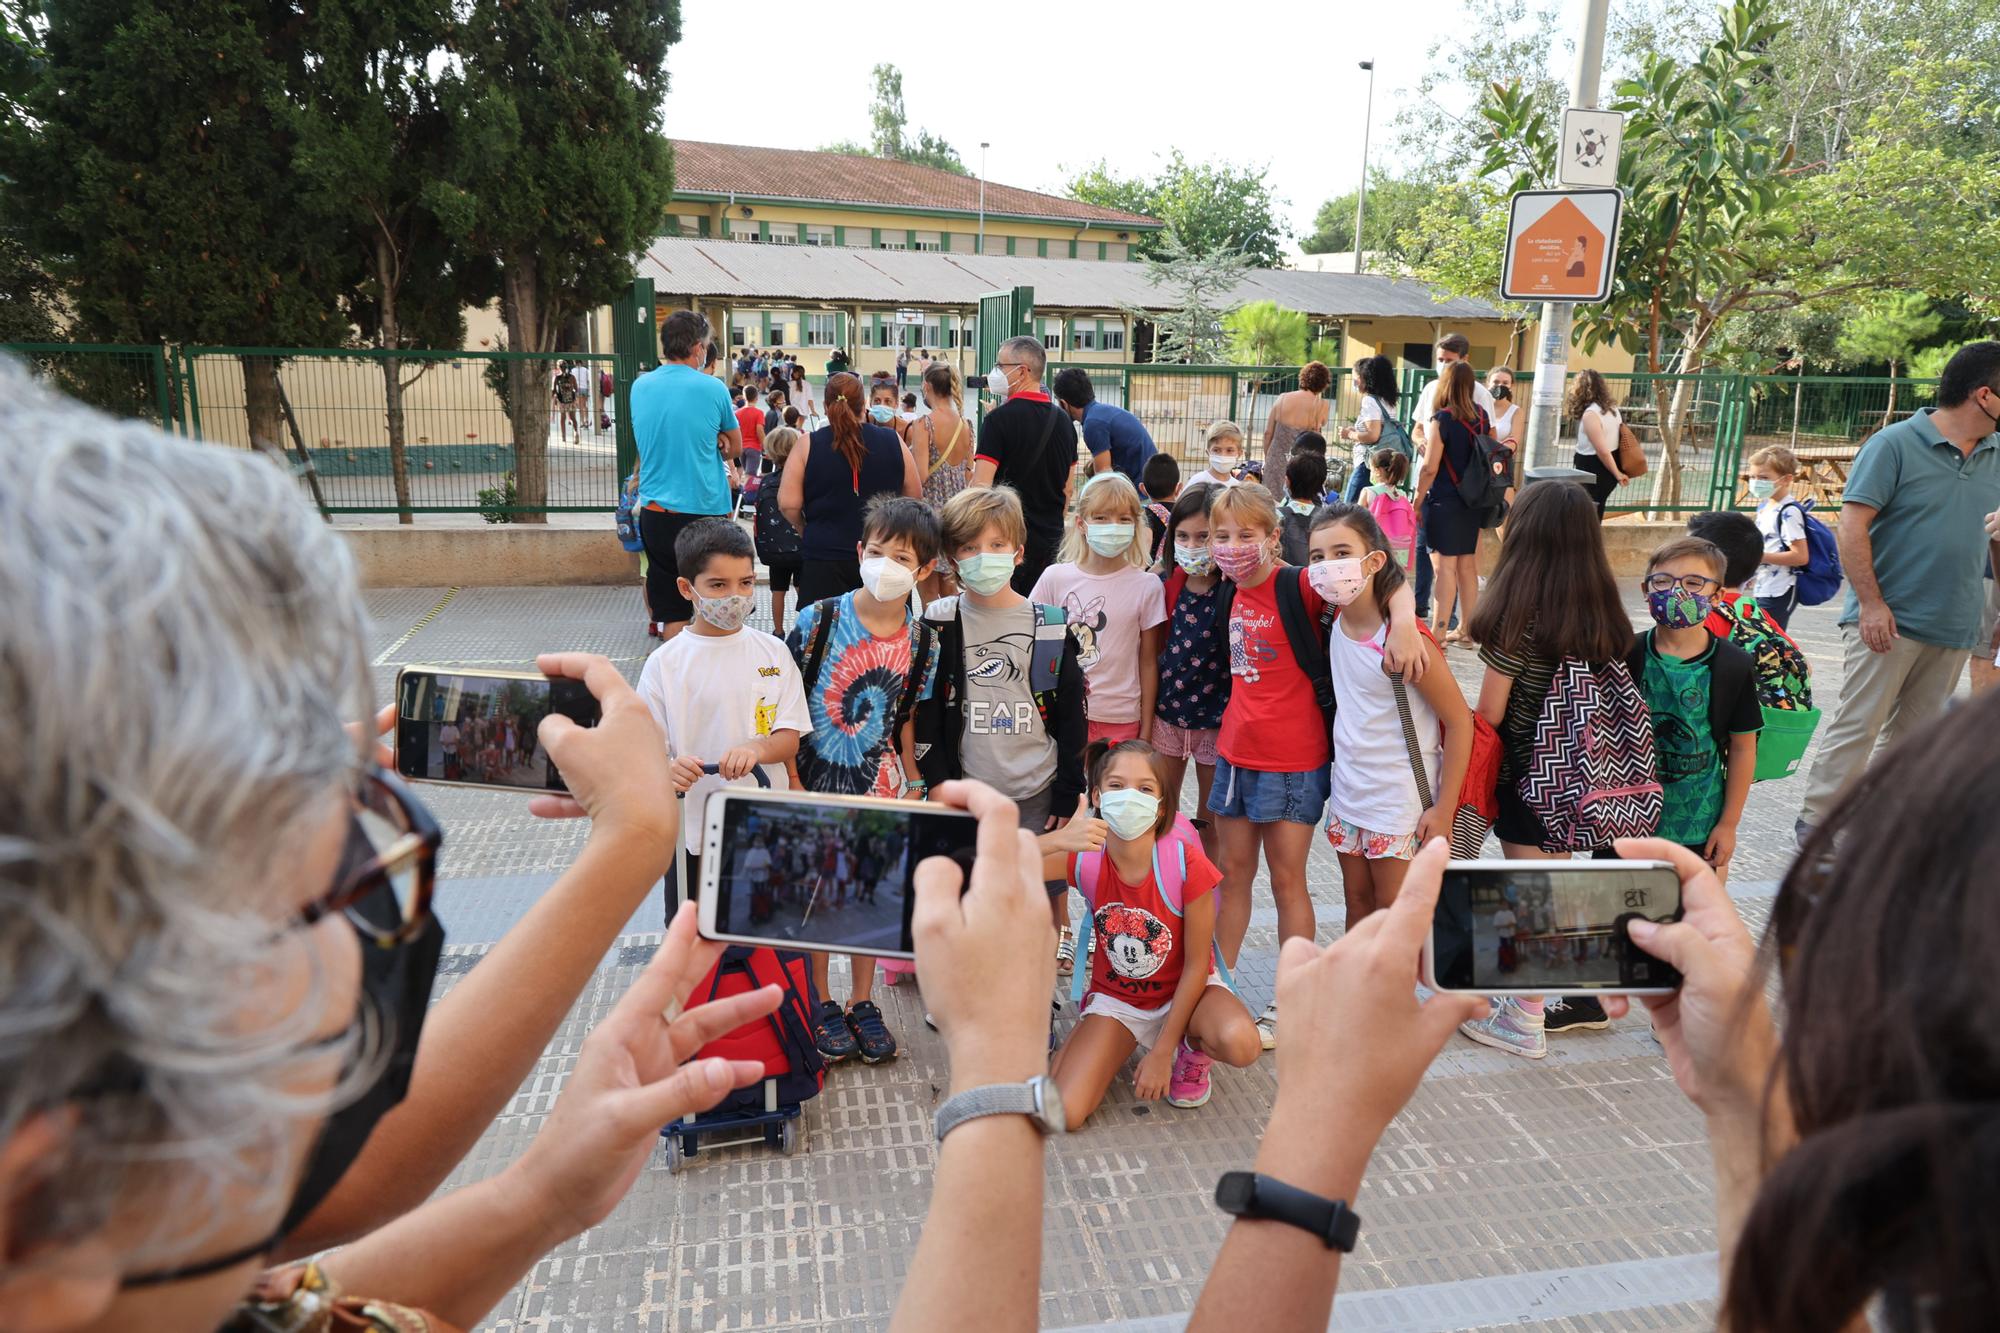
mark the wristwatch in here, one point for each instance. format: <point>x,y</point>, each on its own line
<point>1246,1194</point>
<point>1038,1099</point>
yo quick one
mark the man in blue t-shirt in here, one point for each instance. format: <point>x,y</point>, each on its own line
<point>1116,439</point>
<point>685,426</point>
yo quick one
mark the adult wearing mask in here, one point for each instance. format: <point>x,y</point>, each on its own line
<point>686,429</point>
<point>828,481</point>
<point>1115,439</point>
<point>1029,443</point>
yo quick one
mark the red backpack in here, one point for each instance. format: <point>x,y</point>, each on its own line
<point>1590,775</point>
<point>782,1040</point>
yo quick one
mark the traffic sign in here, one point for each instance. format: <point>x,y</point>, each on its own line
<point>1588,153</point>
<point>1560,245</point>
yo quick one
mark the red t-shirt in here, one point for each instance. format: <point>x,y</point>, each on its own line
<point>1272,722</point>
<point>750,418</point>
<point>1138,943</point>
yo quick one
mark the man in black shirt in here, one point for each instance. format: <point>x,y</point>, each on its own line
<point>1029,443</point>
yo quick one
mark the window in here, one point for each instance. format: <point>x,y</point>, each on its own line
<point>895,243</point>
<point>1110,336</point>
<point>818,235</point>
<point>739,337</point>
<point>1083,336</point>
<point>784,236</point>
<point>928,240</point>
<point>932,333</point>
<point>1050,332</point>
<point>819,329</point>
<point>1116,251</point>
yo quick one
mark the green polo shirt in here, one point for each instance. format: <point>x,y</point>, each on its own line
<point>1929,534</point>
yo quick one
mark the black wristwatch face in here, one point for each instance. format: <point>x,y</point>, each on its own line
<point>1235,1192</point>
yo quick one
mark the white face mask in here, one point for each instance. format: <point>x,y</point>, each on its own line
<point>1129,812</point>
<point>1222,464</point>
<point>886,580</point>
<point>725,613</point>
<point>996,382</point>
<point>1108,539</point>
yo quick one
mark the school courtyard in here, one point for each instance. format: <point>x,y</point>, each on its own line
<point>1571,1193</point>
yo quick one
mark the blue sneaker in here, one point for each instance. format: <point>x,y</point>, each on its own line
<point>1509,1028</point>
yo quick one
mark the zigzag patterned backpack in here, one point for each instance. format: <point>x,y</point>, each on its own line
<point>1590,775</point>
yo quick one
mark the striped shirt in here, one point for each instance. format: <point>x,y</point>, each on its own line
<point>1532,673</point>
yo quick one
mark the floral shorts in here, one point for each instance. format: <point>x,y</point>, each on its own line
<point>1184,742</point>
<point>1353,840</point>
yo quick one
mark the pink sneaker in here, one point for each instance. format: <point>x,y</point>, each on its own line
<point>1188,1088</point>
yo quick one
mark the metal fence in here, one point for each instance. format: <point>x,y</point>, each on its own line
<point>122,380</point>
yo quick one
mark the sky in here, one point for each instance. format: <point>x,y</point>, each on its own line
<point>1125,81</point>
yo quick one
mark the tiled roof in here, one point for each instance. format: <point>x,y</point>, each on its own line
<point>842,178</point>
<point>766,274</point>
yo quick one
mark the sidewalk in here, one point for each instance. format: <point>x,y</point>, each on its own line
<point>1570,1193</point>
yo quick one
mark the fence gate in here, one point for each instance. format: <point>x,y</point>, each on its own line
<point>635,341</point>
<point>1002,315</point>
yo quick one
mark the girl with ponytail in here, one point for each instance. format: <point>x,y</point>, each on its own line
<point>828,481</point>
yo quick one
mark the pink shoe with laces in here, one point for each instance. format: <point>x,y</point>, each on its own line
<point>1189,1088</point>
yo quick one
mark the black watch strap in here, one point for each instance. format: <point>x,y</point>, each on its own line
<point>1246,1194</point>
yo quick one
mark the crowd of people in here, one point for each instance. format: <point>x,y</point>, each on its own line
<point>220,951</point>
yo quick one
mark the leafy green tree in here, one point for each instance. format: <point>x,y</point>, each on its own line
<point>1889,329</point>
<point>1439,132</point>
<point>1202,284</point>
<point>150,172</point>
<point>889,133</point>
<point>558,172</point>
<point>1264,333</point>
<point>1213,208</point>
<point>1394,210</point>
<point>29,300</point>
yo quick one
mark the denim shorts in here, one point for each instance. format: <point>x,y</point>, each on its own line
<point>1269,798</point>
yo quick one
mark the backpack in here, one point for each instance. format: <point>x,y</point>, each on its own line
<point>565,388</point>
<point>1818,580</point>
<point>626,516</point>
<point>777,540</point>
<point>1169,875</point>
<point>1397,518</point>
<point>1782,676</point>
<point>782,1040</point>
<point>1590,776</point>
<point>1294,536</point>
<point>1308,645</point>
<point>923,644</point>
<point>1480,488</point>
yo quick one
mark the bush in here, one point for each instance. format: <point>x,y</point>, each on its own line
<point>496,502</point>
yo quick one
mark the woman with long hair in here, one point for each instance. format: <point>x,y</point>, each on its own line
<point>1301,410</point>
<point>1374,422</point>
<point>800,394</point>
<point>941,443</point>
<point>1450,525</point>
<point>828,481</point>
<point>1597,423</point>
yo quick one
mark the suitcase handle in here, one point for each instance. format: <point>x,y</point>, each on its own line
<point>756,772</point>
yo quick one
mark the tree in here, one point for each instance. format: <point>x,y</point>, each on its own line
<point>1214,208</point>
<point>1889,329</point>
<point>1395,208</point>
<point>1264,333</point>
<point>28,297</point>
<point>1202,284</point>
<point>889,135</point>
<point>558,173</point>
<point>1439,132</point>
<point>150,172</point>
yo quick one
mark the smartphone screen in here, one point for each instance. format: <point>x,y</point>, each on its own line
<point>1538,926</point>
<point>479,730</point>
<point>819,874</point>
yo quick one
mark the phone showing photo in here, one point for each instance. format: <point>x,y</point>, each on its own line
<point>478,728</point>
<point>1550,928</point>
<point>832,874</point>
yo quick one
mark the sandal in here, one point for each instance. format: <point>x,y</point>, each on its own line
<point>831,1033</point>
<point>872,1034</point>
<point>1066,952</point>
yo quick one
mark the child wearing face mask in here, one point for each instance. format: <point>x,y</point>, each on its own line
<point>1113,606</point>
<point>1378,813</point>
<point>1274,743</point>
<point>1702,694</point>
<point>1194,668</point>
<point>1153,975</point>
<point>1008,704</point>
<point>1305,480</point>
<point>866,660</point>
<point>1225,455</point>
<point>1782,522</point>
<point>722,693</point>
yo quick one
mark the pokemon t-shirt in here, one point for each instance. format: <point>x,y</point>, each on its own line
<point>1108,612</point>
<point>1137,944</point>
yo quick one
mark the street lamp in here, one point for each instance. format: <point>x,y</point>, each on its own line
<point>983,146</point>
<point>1361,196</point>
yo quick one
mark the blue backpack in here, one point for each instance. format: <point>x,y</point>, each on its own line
<point>628,515</point>
<point>1819,579</point>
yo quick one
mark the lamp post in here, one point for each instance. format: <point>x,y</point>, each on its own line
<point>983,146</point>
<point>1361,195</point>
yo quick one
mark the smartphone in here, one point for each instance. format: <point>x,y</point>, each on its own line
<point>1550,928</point>
<point>477,728</point>
<point>831,874</point>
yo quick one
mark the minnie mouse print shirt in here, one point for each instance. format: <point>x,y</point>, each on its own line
<point>1109,612</point>
<point>1138,942</point>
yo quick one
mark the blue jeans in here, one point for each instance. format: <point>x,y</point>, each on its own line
<point>1356,483</point>
<point>1268,798</point>
<point>1422,591</point>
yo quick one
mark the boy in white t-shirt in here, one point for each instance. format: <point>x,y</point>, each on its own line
<point>723,694</point>
<point>1782,522</point>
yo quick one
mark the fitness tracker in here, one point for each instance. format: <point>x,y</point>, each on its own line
<point>1038,1099</point>
<point>1246,1194</point>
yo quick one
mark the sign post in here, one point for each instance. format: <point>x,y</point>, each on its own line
<point>1560,245</point>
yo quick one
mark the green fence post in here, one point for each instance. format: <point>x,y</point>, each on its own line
<point>192,402</point>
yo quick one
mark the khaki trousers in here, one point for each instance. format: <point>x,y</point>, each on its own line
<point>1885,696</point>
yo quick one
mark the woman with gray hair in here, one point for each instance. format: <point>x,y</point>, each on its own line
<point>216,945</point>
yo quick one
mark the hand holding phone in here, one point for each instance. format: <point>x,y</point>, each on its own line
<point>1550,927</point>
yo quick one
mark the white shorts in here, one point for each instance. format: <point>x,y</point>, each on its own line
<point>1143,1024</point>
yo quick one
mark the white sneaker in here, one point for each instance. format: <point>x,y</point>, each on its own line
<point>1267,1026</point>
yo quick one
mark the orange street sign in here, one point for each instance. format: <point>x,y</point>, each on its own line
<point>1560,245</point>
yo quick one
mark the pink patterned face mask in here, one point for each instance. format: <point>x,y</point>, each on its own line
<point>1240,561</point>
